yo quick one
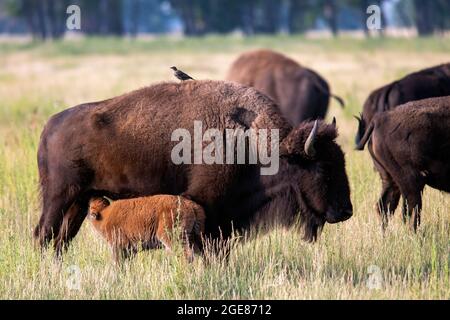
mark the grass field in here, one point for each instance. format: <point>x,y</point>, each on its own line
<point>353,260</point>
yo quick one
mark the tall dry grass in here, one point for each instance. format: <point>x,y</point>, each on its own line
<point>351,260</point>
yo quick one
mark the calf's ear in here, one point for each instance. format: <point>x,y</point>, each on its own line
<point>94,215</point>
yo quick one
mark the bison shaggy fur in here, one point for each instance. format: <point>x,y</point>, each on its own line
<point>411,149</point>
<point>121,148</point>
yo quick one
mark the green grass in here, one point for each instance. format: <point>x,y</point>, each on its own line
<point>37,80</point>
<point>216,43</point>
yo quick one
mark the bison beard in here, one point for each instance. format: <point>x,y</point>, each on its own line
<point>77,160</point>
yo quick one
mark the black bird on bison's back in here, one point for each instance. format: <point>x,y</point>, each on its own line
<point>180,74</point>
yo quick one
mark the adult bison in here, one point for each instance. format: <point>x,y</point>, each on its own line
<point>411,149</point>
<point>428,83</point>
<point>301,93</point>
<point>122,147</point>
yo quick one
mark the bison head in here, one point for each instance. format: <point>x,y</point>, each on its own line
<point>317,164</point>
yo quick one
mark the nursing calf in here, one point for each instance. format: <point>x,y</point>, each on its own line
<point>147,223</point>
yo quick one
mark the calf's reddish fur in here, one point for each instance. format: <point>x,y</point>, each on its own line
<point>147,222</point>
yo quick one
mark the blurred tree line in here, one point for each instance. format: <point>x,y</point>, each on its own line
<point>46,18</point>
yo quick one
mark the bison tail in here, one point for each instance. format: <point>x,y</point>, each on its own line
<point>339,100</point>
<point>361,144</point>
<point>323,87</point>
<point>361,128</point>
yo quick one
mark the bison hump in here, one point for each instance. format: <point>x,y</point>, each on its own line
<point>101,120</point>
<point>243,117</point>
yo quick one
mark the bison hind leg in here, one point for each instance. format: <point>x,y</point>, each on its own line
<point>412,207</point>
<point>54,210</point>
<point>73,219</point>
<point>65,196</point>
<point>411,188</point>
<point>388,202</point>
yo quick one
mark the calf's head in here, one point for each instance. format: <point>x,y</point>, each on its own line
<point>96,206</point>
<point>318,168</point>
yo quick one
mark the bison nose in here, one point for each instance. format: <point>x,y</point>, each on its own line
<point>347,214</point>
<point>334,216</point>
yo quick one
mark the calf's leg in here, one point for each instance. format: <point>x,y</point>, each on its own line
<point>165,233</point>
<point>122,252</point>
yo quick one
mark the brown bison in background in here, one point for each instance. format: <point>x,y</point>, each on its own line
<point>428,83</point>
<point>301,93</point>
<point>411,149</point>
<point>121,148</point>
<point>148,223</point>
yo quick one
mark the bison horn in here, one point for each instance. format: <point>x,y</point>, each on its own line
<point>309,145</point>
<point>359,118</point>
<point>109,200</point>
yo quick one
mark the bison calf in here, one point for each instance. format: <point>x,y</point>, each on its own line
<point>410,149</point>
<point>147,222</point>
